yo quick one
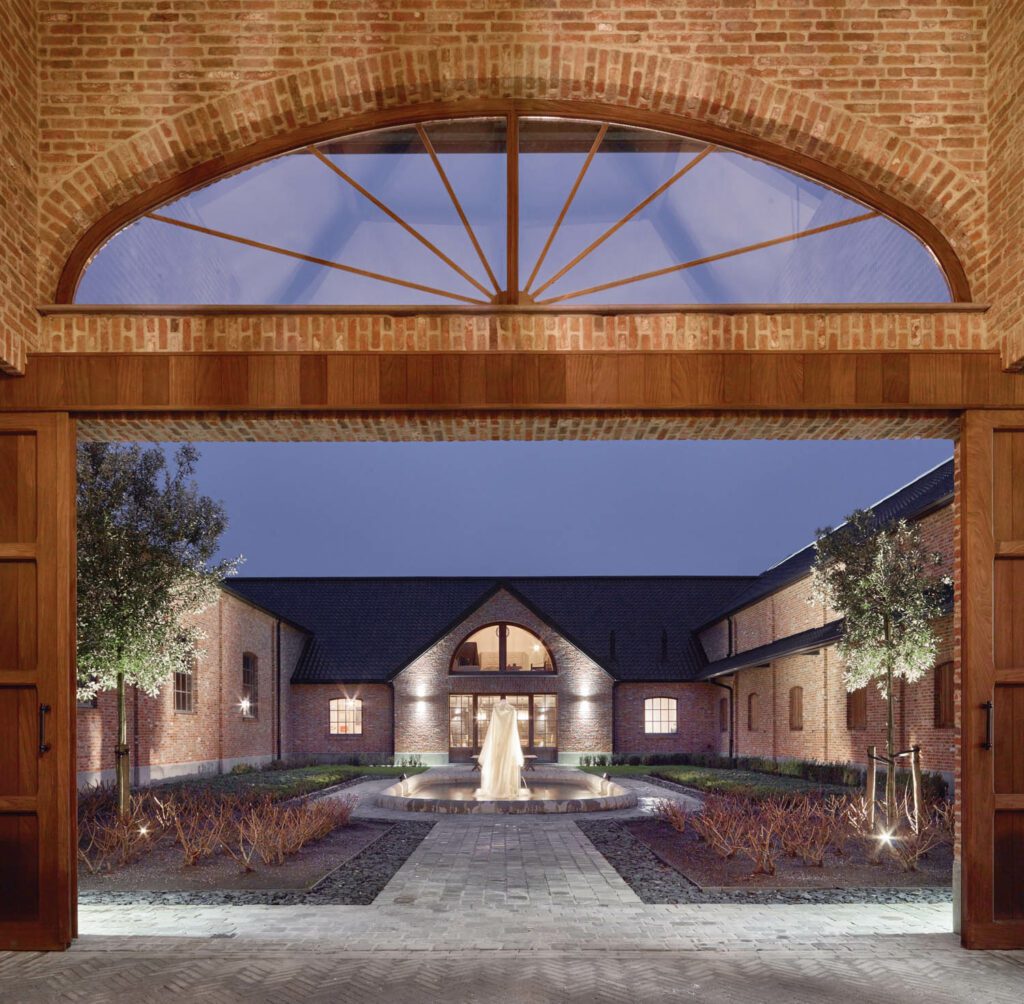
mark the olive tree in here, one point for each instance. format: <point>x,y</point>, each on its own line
<point>888,589</point>
<point>147,540</point>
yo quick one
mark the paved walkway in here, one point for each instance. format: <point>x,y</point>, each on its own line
<point>516,910</point>
<point>495,861</point>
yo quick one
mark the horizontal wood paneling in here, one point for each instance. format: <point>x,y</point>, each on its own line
<point>613,380</point>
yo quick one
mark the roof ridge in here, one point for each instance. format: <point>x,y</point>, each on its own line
<point>874,505</point>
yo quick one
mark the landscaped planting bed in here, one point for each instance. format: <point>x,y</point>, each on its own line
<point>655,881</point>
<point>279,830</point>
<point>287,782</point>
<point>783,846</point>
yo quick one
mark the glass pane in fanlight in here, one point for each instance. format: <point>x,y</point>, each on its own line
<point>873,261</point>
<point>394,166</point>
<point>729,202</point>
<point>629,165</point>
<point>474,157</point>
<point>552,153</point>
<point>294,202</point>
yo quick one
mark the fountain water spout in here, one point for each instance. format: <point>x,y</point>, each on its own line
<point>501,757</point>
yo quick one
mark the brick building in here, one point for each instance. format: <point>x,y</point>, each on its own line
<point>409,667</point>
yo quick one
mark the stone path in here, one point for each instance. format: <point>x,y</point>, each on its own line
<point>495,861</point>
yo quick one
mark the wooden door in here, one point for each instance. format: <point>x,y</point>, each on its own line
<point>992,703</point>
<point>37,790</point>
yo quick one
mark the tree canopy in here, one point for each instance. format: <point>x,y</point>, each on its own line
<point>888,589</point>
<point>147,540</point>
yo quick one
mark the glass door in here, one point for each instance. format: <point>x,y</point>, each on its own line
<point>469,716</point>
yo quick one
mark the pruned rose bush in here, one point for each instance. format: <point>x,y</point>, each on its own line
<point>810,827</point>
<point>251,828</point>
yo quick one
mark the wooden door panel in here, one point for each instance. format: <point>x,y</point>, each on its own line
<point>19,753</point>
<point>18,499</point>
<point>1008,751</point>
<point>1009,866</point>
<point>20,856</point>
<point>18,610</point>
<point>37,839</point>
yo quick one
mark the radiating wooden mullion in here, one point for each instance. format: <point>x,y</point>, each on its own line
<point>406,226</point>
<point>311,258</point>
<point>429,147</point>
<point>639,207</point>
<point>710,258</point>
<point>512,208</point>
<point>565,208</point>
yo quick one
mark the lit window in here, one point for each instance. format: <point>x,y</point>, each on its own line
<point>502,648</point>
<point>184,690</point>
<point>602,213</point>
<point>659,715</point>
<point>250,699</point>
<point>347,717</point>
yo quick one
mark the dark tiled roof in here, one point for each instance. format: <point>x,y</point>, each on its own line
<point>805,641</point>
<point>928,492</point>
<point>369,629</point>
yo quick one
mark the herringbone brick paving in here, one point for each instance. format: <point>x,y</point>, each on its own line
<point>934,970</point>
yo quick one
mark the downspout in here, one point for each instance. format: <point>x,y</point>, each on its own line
<point>732,715</point>
<point>277,672</point>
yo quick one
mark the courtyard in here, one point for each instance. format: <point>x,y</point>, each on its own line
<point>524,907</point>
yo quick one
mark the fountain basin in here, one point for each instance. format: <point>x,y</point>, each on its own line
<point>551,789</point>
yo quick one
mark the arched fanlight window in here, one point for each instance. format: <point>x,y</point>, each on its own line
<point>502,648</point>
<point>571,213</point>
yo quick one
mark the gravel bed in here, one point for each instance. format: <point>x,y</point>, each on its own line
<point>655,882</point>
<point>358,882</point>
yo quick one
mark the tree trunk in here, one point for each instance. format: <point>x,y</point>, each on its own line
<point>121,751</point>
<point>890,737</point>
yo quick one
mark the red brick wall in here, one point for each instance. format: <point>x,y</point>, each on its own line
<point>584,690</point>
<point>1004,286</point>
<point>111,68</point>
<point>696,718</point>
<point>19,175</point>
<point>309,720</point>
<point>216,735</point>
<point>825,735</point>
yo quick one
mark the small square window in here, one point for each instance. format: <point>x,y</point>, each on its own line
<point>659,715</point>
<point>346,717</point>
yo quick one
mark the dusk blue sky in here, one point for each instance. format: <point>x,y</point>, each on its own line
<point>543,508</point>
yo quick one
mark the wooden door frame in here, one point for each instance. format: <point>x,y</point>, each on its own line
<point>599,386</point>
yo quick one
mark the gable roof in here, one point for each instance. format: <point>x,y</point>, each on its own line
<point>369,629</point>
<point>930,491</point>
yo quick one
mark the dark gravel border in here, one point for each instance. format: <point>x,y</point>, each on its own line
<point>357,882</point>
<point>656,882</point>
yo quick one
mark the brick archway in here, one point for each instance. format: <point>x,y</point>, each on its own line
<point>73,213</point>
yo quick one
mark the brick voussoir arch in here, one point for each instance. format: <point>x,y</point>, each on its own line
<point>90,204</point>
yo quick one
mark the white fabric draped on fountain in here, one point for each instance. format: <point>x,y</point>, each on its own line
<point>501,757</point>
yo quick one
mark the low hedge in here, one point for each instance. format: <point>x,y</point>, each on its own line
<point>818,772</point>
